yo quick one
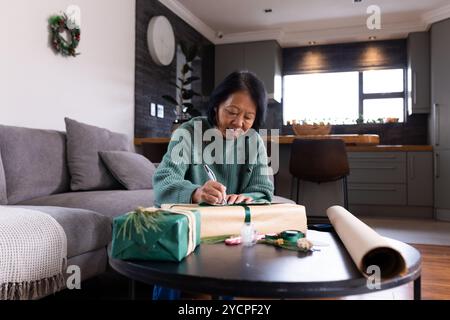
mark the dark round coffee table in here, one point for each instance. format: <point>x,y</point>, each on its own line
<point>266,271</point>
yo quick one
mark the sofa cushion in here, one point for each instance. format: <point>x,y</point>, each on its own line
<point>34,162</point>
<point>85,230</point>
<point>3,196</point>
<point>83,144</point>
<point>133,171</point>
<point>109,203</point>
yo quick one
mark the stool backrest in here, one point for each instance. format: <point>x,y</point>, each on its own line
<point>320,160</point>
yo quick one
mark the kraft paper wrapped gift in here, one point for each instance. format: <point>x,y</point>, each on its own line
<point>228,219</point>
<point>176,235</point>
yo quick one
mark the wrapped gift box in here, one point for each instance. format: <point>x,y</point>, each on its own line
<point>175,234</point>
<point>228,219</point>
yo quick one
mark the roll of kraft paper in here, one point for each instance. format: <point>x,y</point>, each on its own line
<point>365,246</point>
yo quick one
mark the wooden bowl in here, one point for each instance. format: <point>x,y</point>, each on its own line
<point>311,129</point>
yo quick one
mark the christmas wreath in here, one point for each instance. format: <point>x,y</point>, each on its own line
<point>61,23</point>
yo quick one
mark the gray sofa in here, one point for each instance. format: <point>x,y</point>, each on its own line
<point>34,174</point>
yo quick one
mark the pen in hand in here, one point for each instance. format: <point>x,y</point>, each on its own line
<point>212,177</point>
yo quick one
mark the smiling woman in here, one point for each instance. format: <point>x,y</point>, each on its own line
<point>236,115</point>
<point>236,106</point>
<point>236,110</point>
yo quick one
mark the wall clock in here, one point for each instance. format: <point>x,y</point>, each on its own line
<point>161,40</point>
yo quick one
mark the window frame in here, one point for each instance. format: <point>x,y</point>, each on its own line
<point>385,95</point>
<point>367,96</point>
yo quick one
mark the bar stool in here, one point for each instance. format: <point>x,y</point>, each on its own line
<point>321,160</point>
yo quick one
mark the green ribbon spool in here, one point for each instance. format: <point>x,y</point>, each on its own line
<point>291,235</point>
<point>288,235</point>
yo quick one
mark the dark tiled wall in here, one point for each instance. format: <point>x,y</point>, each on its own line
<point>152,81</point>
<point>414,131</point>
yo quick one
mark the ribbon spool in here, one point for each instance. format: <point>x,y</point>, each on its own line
<point>287,235</point>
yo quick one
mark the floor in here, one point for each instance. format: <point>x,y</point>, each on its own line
<point>430,237</point>
<point>412,231</point>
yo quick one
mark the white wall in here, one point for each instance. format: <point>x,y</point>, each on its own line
<point>38,88</point>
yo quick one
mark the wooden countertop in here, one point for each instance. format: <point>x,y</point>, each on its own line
<point>139,141</point>
<point>392,148</point>
<point>355,143</point>
<point>350,139</point>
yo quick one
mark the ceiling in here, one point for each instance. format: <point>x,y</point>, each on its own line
<point>297,22</point>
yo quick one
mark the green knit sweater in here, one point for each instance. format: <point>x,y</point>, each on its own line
<point>181,170</point>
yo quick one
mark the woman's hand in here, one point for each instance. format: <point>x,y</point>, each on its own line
<point>238,198</point>
<point>211,192</point>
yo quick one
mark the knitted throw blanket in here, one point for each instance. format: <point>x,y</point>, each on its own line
<point>33,254</point>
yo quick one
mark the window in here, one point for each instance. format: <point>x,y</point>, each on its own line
<point>342,97</point>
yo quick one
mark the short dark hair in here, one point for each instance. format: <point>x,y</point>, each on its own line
<point>239,81</point>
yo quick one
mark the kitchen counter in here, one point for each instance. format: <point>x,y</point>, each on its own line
<point>390,148</point>
<point>355,143</point>
<point>350,139</point>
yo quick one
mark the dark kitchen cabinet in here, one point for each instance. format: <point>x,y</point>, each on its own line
<point>262,57</point>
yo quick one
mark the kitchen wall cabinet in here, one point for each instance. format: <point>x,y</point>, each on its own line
<point>440,64</point>
<point>262,57</point>
<point>418,72</point>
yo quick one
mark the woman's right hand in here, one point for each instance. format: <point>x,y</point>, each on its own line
<point>212,192</point>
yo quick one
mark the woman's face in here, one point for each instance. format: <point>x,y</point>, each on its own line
<point>235,116</point>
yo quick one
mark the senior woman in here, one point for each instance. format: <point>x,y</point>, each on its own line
<point>236,155</point>
<point>236,106</point>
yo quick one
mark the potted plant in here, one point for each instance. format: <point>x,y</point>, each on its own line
<point>184,109</point>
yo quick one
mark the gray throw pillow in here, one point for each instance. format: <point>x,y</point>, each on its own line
<point>3,196</point>
<point>133,171</point>
<point>83,144</point>
<point>34,162</point>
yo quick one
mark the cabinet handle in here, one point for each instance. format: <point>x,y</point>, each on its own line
<point>414,87</point>
<point>436,124</point>
<point>372,158</point>
<point>373,168</point>
<point>411,171</point>
<point>372,188</point>
<point>436,166</point>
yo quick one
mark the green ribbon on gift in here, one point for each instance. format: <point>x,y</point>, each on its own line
<point>247,218</point>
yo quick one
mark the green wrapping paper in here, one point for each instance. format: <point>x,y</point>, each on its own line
<point>172,236</point>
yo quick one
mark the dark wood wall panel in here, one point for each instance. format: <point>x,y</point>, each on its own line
<point>345,56</point>
<point>152,81</point>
